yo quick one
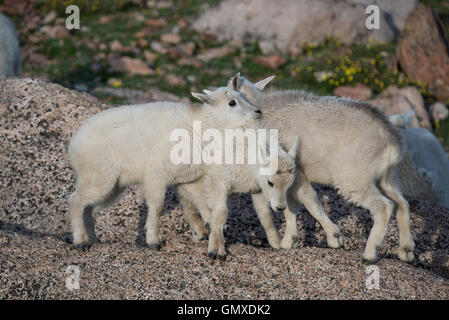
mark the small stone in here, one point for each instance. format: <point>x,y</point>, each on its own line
<point>142,43</point>
<point>171,38</point>
<point>105,19</point>
<point>359,92</point>
<point>49,17</point>
<point>267,47</point>
<point>57,31</point>
<point>156,23</point>
<point>215,53</point>
<point>189,61</point>
<point>175,80</point>
<point>130,65</point>
<point>116,46</point>
<point>188,47</point>
<point>150,56</point>
<point>271,62</point>
<point>158,47</point>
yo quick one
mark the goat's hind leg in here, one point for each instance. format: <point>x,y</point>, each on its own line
<point>155,197</point>
<point>406,243</point>
<point>381,209</point>
<point>308,197</point>
<point>90,195</point>
<point>79,231</point>
<point>216,237</point>
<point>219,218</point>
<point>303,192</point>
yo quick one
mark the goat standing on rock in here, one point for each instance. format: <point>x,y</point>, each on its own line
<point>131,145</point>
<point>209,194</point>
<point>343,143</point>
<point>346,144</point>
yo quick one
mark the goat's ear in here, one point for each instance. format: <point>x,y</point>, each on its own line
<point>263,83</point>
<point>293,149</point>
<point>208,92</point>
<point>203,97</point>
<point>235,81</point>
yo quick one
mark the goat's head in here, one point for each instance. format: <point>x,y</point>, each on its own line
<point>228,104</point>
<point>275,186</point>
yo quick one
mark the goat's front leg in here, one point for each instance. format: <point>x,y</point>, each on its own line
<point>291,236</point>
<point>216,238</point>
<point>307,196</point>
<point>262,208</point>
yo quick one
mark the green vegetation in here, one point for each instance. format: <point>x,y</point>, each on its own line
<point>83,57</point>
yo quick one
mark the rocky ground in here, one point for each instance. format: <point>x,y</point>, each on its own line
<point>37,120</point>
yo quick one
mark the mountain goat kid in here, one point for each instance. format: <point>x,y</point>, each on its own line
<point>209,194</point>
<point>344,143</point>
<point>131,145</point>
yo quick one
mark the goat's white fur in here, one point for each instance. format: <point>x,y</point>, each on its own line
<point>210,193</point>
<point>343,143</point>
<point>130,145</point>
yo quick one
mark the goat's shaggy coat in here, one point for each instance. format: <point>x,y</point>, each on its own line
<point>131,145</point>
<point>343,143</point>
<point>209,195</point>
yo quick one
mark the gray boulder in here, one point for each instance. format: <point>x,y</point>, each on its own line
<point>431,163</point>
<point>10,58</point>
<point>287,24</point>
<point>424,171</point>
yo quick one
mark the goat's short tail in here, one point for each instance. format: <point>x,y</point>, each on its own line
<point>396,153</point>
<point>392,156</point>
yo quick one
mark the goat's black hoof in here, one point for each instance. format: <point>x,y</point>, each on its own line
<point>83,247</point>
<point>222,258</point>
<point>370,261</point>
<point>204,237</point>
<point>155,246</point>
<point>212,255</point>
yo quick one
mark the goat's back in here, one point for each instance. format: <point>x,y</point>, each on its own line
<point>342,142</point>
<point>129,136</point>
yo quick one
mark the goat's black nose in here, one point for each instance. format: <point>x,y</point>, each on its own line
<point>258,111</point>
<point>280,209</point>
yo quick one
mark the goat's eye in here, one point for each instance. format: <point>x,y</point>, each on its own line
<point>270,183</point>
<point>232,103</point>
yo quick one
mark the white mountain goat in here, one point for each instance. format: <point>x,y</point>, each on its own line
<point>209,194</point>
<point>131,145</point>
<point>343,143</point>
